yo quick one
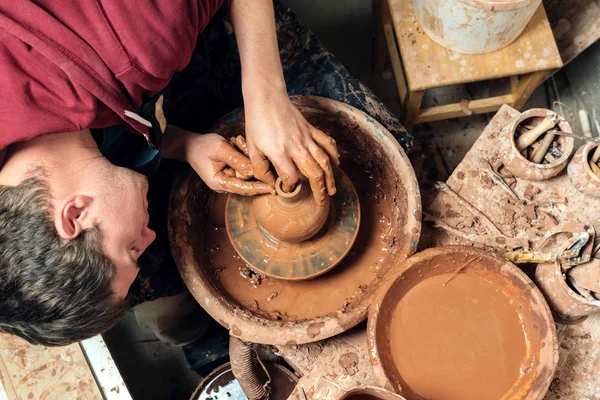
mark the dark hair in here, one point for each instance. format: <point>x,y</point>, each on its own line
<point>52,291</point>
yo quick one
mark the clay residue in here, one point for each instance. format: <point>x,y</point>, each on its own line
<point>462,340</point>
<point>377,249</point>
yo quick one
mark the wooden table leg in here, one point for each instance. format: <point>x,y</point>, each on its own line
<point>525,86</point>
<point>382,9</point>
<point>411,108</point>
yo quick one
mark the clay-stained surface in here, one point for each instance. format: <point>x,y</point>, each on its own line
<point>579,345</point>
<point>45,373</point>
<point>428,65</point>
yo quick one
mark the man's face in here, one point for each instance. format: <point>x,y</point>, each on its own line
<point>122,213</point>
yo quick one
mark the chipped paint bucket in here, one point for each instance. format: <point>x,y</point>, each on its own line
<point>474,26</point>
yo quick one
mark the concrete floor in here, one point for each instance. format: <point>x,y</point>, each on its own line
<point>154,370</point>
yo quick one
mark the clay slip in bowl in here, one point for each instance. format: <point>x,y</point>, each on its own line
<point>580,173</point>
<point>540,333</point>
<point>520,166</point>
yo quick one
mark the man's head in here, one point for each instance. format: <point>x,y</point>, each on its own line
<point>72,226</point>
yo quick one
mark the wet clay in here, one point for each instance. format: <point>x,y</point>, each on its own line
<point>323,295</point>
<point>461,340</point>
<point>223,385</point>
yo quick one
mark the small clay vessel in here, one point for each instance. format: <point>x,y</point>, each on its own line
<point>520,166</point>
<point>370,393</point>
<point>291,217</point>
<point>580,173</point>
<point>565,302</point>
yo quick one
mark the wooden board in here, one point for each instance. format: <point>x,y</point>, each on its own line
<point>327,374</point>
<point>45,373</point>
<point>428,65</point>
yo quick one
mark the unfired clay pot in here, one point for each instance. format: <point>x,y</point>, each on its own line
<point>520,166</point>
<point>370,393</point>
<point>364,143</point>
<point>535,316</point>
<point>568,304</point>
<point>580,173</point>
<point>291,217</point>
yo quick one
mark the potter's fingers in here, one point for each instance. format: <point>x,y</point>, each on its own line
<point>313,171</point>
<point>321,157</point>
<point>241,187</point>
<point>327,143</point>
<point>287,172</point>
<point>234,159</point>
<point>229,172</point>
<point>240,143</point>
<point>262,168</point>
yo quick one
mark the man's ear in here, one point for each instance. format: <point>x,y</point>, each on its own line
<point>73,216</point>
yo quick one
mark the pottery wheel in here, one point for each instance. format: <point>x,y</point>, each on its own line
<point>295,261</point>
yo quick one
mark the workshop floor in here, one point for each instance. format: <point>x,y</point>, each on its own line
<point>154,370</point>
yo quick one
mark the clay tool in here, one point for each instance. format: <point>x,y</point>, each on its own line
<point>527,138</point>
<point>538,155</point>
<point>537,257</point>
<point>485,166</point>
<point>595,169</point>
<point>587,276</point>
<point>595,139</point>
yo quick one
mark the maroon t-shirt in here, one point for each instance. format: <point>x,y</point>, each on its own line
<point>66,65</point>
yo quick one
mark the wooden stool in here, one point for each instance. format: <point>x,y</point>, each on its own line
<point>420,64</point>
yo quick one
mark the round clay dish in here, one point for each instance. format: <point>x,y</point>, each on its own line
<point>520,166</point>
<point>534,314</point>
<point>364,145</point>
<point>220,384</point>
<point>567,304</point>
<point>305,259</point>
<point>580,173</point>
<point>370,393</point>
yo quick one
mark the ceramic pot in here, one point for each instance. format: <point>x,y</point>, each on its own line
<point>580,173</point>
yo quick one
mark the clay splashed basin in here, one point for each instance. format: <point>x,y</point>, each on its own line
<point>482,333</point>
<point>263,309</point>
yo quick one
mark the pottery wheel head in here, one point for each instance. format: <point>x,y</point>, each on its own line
<point>296,261</point>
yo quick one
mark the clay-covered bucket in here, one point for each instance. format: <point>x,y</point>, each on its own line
<point>540,355</point>
<point>520,166</point>
<point>363,144</point>
<point>474,26</point>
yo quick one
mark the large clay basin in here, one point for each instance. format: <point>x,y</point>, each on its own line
<point>363,143</point>
<point>541,352</point>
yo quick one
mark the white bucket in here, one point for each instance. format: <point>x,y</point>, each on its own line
<point>474,26</point>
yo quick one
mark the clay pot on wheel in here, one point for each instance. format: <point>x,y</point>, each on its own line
<point>565,302</point>
<point>580,172</point>
<point>520,166</point>
<point>370,393</point>
<point>291,217</point>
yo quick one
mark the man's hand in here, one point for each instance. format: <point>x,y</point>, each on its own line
<point>218,163</point>
<point>277,132</point>
<point>275,129</point>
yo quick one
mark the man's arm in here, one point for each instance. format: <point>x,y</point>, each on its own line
<point>275,129</point>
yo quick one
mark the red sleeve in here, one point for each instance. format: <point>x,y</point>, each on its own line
<point>37,97</point>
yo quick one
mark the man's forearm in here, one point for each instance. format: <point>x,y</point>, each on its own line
<point>177,143</point>
<point>254,27</point>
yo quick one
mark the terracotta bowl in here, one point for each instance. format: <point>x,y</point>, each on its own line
<point>541,351</point>
<point>520,166</point>
<point>370,393</point>
<point>567,304</point>
<point>580,173</point>
<point>358,134</point>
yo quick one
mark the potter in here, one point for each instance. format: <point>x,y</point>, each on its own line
<point>69,157</point>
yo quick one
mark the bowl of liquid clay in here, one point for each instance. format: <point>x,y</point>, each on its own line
<point>460,323</point>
